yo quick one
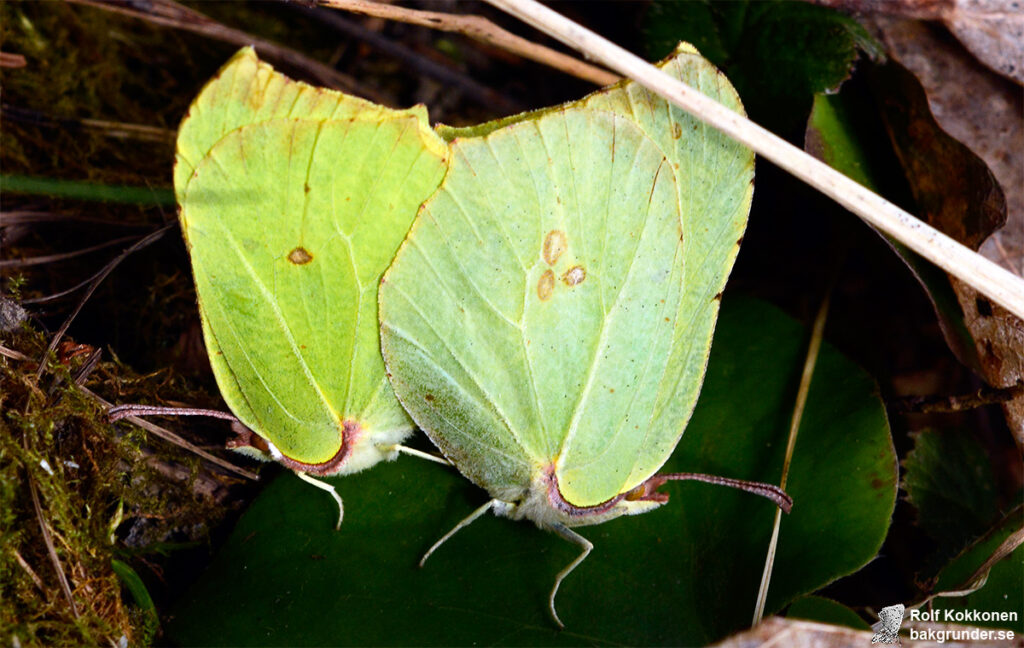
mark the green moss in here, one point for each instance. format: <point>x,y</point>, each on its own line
<point>104,491</point>
<point>87,64</point>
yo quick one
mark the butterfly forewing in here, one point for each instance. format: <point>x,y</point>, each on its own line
<point>290,225</point>
<point>532,304</point>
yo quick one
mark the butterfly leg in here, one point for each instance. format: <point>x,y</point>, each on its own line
<point>412,452</point>
<point>575,538</point>
<point>465,522</point>
<point>322,485</point>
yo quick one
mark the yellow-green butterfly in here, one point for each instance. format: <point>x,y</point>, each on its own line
<point>293,202</point>
<point>548,319</point>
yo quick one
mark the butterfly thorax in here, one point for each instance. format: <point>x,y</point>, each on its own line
<point>545,506</point>
<point>357,451</point>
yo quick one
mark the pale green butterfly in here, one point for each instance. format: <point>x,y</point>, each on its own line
<point>293,200</point>
<point>548,319</point>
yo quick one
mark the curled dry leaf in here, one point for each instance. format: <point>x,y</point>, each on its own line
<point>981,110</point>
<point>978,108</point>
<point>994,130</point>
<point>993,30</point>
<point>999,336</point>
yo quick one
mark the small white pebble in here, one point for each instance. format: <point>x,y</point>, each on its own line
<point>71,464</point>
<point>45,465</point>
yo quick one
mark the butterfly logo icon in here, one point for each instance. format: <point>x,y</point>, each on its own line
<point>888,627</point>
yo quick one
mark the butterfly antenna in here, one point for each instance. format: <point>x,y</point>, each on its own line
<point>119,412</point>
<point>770,491</point>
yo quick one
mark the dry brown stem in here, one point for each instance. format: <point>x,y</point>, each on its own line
<point>167,435</point>
<point>51,550</point>
<point>479,29</point>
<point>172,14</point>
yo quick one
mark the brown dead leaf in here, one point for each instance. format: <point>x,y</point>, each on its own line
<point>983,111</point>
<point>993,30</point>
<point>978,108</point>
<point>999,337</point>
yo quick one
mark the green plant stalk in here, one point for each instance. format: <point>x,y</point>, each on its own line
<point>75,190</point>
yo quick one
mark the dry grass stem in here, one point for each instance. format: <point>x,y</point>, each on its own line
<point>12,354</point>
<point>167,435</point>
<point>51,550</point>
<point>999,284</point>
<point>172,14</point>
<point>28,570</point>
<point>479,29</point>
<point>817,334</point>
<point>100,276</point>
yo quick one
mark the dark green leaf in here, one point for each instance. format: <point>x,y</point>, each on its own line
<point>948,479</point>
<point>823,610</point>
<point>1004,588</point>
<point>133,584</point>
<point>150,622</point>
<point>686,573</point>
<point>778,54</point>
<point>667,23</point>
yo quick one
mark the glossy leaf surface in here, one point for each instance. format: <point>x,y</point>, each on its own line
<point>684,574</point>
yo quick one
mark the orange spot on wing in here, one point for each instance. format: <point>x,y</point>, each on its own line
<point>300,256</point>
<point>554,245</point>
<point>574,275</point>
<point>546,285</point>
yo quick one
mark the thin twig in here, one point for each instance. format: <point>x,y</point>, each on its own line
<point>55,296</point>
<point>63,256</point>
<point>172,14</point>
<point>817,333</point>
<point>167,435</point>
<point>12,354</point>
<point>986,277</point>
<point>32,217</point>
<point>87,367</point>
<point>28,570</point>
<point>100,276</point>
<point>1005,548</point>
<point>50,548</point>
<point>123,130</point>
<point>956,402</point>
<point>479,29</point>
<point>119,130</point>
<point>80,375</point>
<point>450,78</point>
<point>64,293</point>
